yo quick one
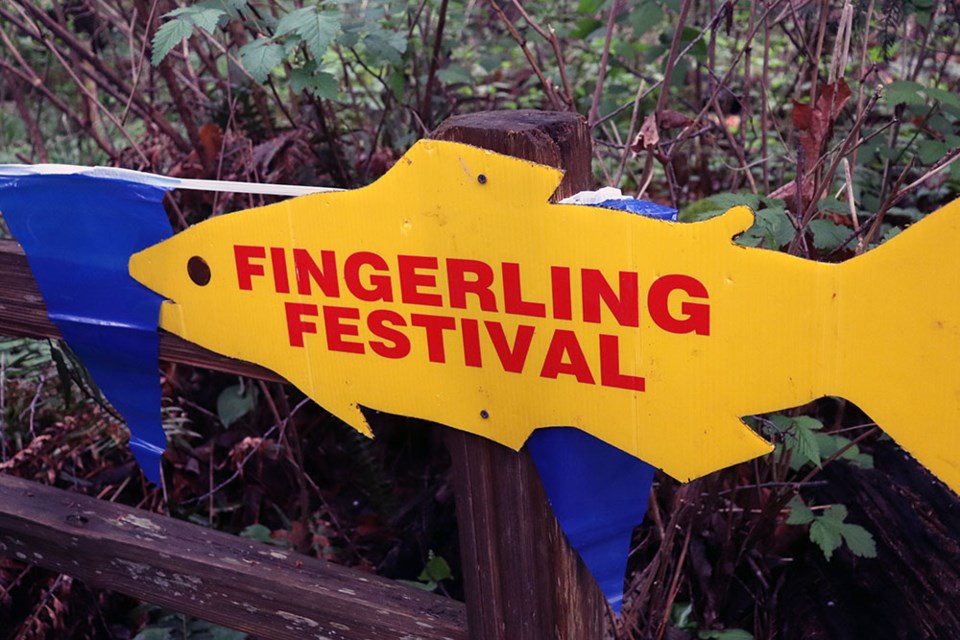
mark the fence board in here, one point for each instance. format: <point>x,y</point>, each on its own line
<point>229,580</point>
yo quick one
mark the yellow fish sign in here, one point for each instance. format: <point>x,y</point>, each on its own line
<point>450,290</point>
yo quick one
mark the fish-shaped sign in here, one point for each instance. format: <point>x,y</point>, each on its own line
<point>450,290</point>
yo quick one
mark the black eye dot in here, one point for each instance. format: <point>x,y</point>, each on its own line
<point>482,179</point>
<point>198,270</point>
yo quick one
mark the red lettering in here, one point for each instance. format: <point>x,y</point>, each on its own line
<point>242,255</point>
<point>560,285</point>
<point>513,301</point>
<point>395,343</point>
<point>307,271</point>
<point>296,326</point>
<point>512,357</point>
<point>470,330</point>
<point>411,281</point>
<point>610,375</point>
<point>479,284</point>
<point>278,259</point>
<point>624,307</point>
<point>335,329</point>
<point>434,327</point>
<point>379,289</point>
<point>564,355</point>
<point>696,318</point>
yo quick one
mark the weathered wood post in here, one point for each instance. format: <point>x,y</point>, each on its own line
<point>522,579</point>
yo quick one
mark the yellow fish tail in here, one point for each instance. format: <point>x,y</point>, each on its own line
<point>900,339</point>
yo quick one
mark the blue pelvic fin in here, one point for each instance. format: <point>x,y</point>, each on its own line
<point>78,232</point>
<point>598,494</point>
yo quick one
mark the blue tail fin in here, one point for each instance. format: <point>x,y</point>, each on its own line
<point>78,233</point>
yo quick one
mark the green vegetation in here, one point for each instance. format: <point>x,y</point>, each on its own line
<point>838,122</point>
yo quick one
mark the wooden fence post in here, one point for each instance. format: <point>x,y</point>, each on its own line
<point>522,579</point>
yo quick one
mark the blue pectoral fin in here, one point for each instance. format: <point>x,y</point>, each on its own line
<point>79,232</point>
<point>598,494</point>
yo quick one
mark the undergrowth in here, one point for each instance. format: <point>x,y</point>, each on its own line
<point>836,121</point>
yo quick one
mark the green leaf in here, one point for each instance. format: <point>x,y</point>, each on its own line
<point>827,235</point>
<point>892,231</point>
<point>589,7</point>
<point>716,205</point>
<point>584,28</point>
<point>681,616</point>
<point>384,48</point>
<point>726,634</point>
<point>904,92</point>
<point>261,533</point>
<point>773,226</point>
<point>169,35</point>
<point>859,541</point>
<point>829,530</point>
<point>835,513</point>
<point>829,444</point>
<point>801,440</point>
<point>256,532</point>
<point>203,15</point>
<point>425,586</point>
<point>799,512</point>
<point>63,375</point>
<point>826,535</point>
<point>699,50</point>
<point>645,17</point>
<point>943,96</point>
<point>154,633</point>
<point>455,74</point>
<point>235,402</point>
<point>930,151</point>
<point>230,6</point>
<point>260,57</point>
<point>436,569</point>
<point>320,84</point>
<point>222,633</point>
<point>315,28</point>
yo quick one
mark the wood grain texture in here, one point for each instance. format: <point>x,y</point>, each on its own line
<point>232,581</point>
<point>523,580</point>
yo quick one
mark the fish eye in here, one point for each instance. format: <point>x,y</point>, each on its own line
<point>198,270</point>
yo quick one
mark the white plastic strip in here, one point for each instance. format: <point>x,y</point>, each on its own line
<point>164,182</point>
<point>257,188</point>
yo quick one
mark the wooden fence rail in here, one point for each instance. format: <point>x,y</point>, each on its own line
<point>235,582</point>
<point>522,580</point>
